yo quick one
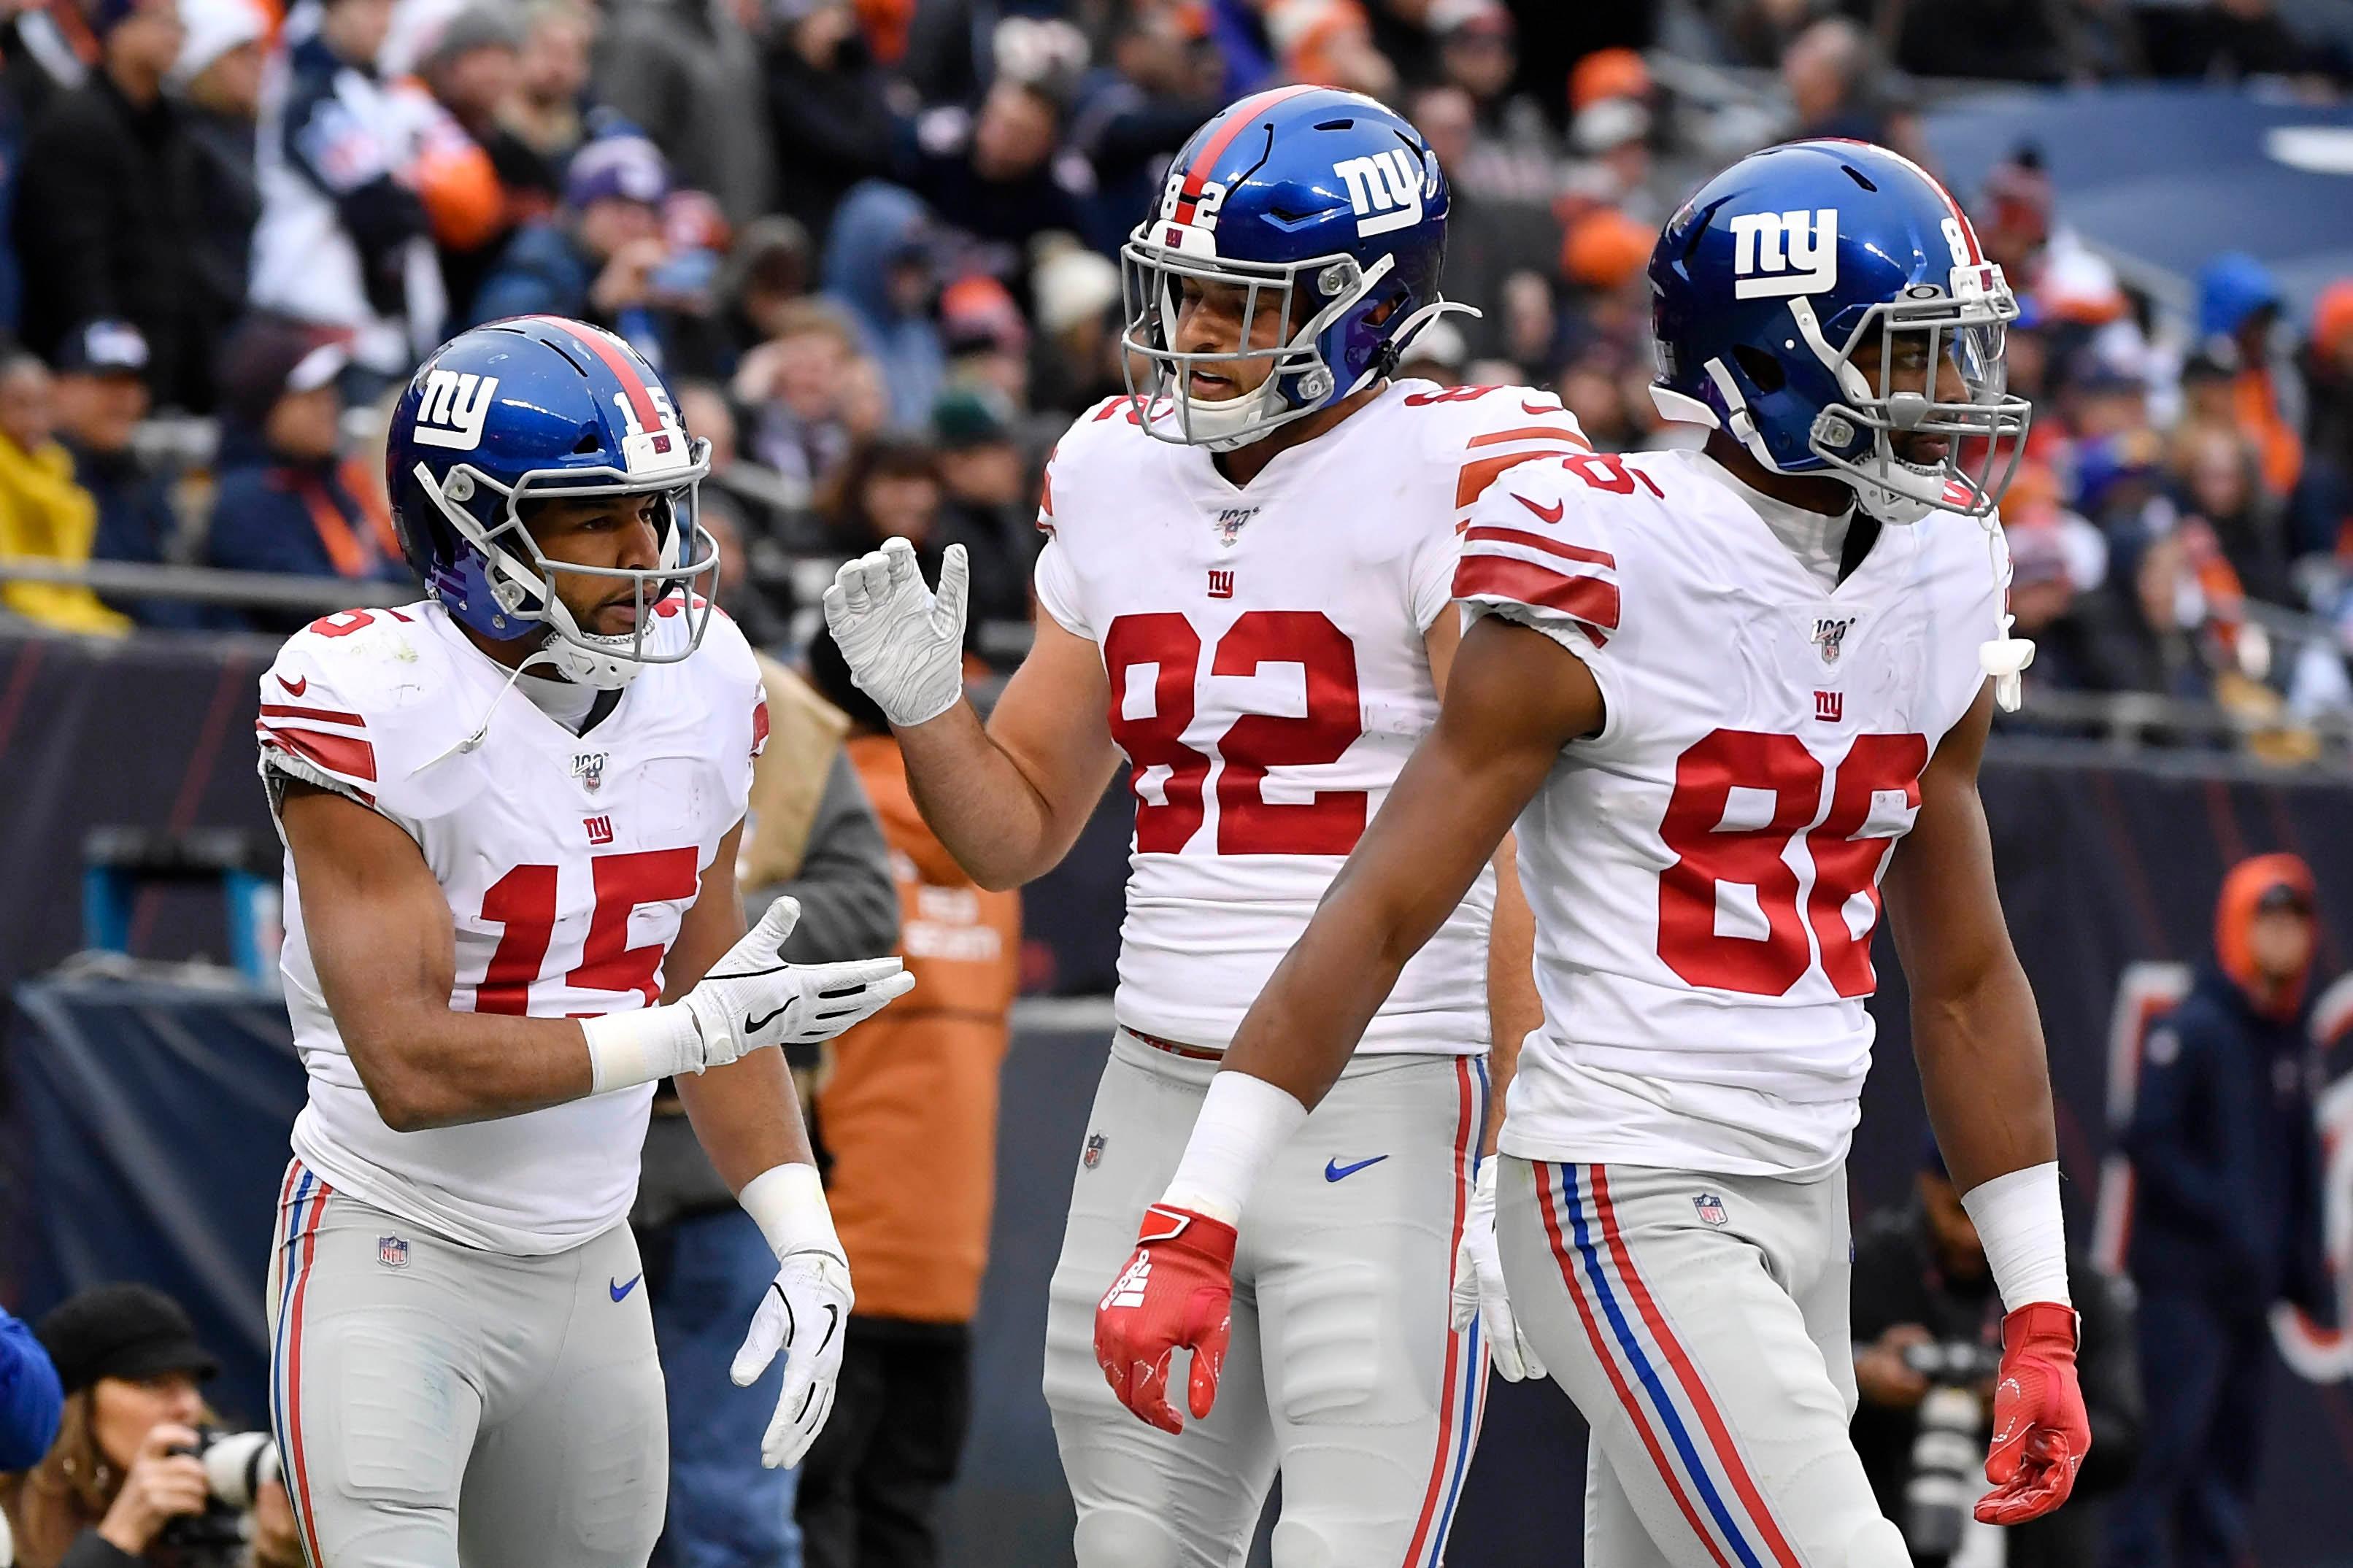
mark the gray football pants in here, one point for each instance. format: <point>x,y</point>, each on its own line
<point>437,1405</point>
<point>1700,1322</point>
<point>1343,1370</point>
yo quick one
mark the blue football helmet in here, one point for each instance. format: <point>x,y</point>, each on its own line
<point>528,409</point>
<point>1325,200</point>
<point>1780,272</point>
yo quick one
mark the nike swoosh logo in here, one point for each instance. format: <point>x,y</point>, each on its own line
<point>1549,513</point>
<point>753,1026</point>
<point>295,687</point>
<point>1334,1171</point>
<point>1554,407</point>
<point>621,1290</point>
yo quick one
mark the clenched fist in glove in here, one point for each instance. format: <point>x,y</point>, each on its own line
<point>750,998</point>
<point>1176,1291</point>
<point>903,644</point>
<point>2040,1432</point>
<point>1478,1285</point>
<point>804,1313</point>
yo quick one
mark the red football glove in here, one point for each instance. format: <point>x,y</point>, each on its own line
<point>2040,1433</point>
<point>1178,1289</point>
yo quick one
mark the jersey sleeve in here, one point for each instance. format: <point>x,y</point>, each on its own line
<point>315,724</point>
<point>1055,577</point>
<point>1536,549</point>
<point>1476,436</point>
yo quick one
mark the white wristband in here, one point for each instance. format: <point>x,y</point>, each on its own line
<point>1243,1121</point>
<point>641,1046</point>
<point>2024,1234</point>
<point>788,1203</point>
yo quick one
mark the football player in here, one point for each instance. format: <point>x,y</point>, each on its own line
<point>1245,597</point>
<point>511,813</point>
<point>1721,692</point>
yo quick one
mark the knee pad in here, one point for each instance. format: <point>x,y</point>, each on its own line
<point>1298,1543</point>
<point>1878,1544</point>
<point>1339,1350</point>
<point>1124,1538</point>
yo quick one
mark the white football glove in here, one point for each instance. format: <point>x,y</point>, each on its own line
<point>750,998</point>
<point>804,1312</point>
<point>903,644</point>
<point>1478,1285</point>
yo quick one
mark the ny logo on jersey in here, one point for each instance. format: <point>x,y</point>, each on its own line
<point>1776,255</point>
<point>600,828</point>
<point>1830,635</point>
<point>1830,707</point>
<point>1127,1291</point>
<point>1221,584</point>
<point>456,406</point>
<point>1385,189</point>
<point>1230,520</point>
<point>588,767</point>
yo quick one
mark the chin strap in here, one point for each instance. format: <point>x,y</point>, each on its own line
<point>1394,350</point>
<point>2005,658</point>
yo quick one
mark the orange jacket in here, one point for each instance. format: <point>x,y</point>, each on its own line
<point>909,1112</point>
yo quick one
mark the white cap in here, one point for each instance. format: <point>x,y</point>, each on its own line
<point>1072,286</point>
<point>214,28</point>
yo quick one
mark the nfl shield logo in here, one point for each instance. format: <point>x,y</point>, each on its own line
<point>588,767</point>
<point>1830,635</point>
<point>1711,1209</point>
<point>1094,1155</point>
<point>392,1252</point>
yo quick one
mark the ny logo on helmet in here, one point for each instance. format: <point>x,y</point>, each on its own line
<point>456,405</point>
<point>1776,255</point>
<point>1385,188</point>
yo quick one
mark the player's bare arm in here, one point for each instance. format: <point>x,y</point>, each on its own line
<point>382,939</point>
<point>745,1113</point>
<point>1979,1043</point>
<point>1514,699</point>
<point>1974,1031</point>
<point>1513,1006</point>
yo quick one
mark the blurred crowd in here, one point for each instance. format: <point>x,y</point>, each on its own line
<point>873,245</point>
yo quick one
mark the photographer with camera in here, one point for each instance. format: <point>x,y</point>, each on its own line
<point>1928,1342</point>
<point>138,1474</point>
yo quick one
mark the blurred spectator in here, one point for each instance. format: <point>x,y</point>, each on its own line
<point>1513,154</point>
<point>1133,112</point>
<point>1927,1334</point>
<point>985,340</point>
<point>44,515</point>
<point>548,110</point>
<point>769,267</point>
<point>1999,40</point>
<point>792,387</point>
<point>602,258</point>
<point>31,1399</point>
<point>2238,315</point>
<point>1830,72</point>
<point>47,48</point>
<point>121,1482</point>
<point>2217,478</point>
<point>1487,239</point>
<point>2227,1217</point>
<point>688,73</point>
<point>888,487</point>
<point>996,174</point>
<point>344,240</point>
<point>100,400</point>
<point>1330,44</point>
<point>908,1120</point>
<point>988,503</point>
<point>810,835</point>
<point>472,66</point>
<point>1074,358</point>
<point>830,104</point>
<point>102,222</point>
<point>219,75</point>
<point>877,262</point>
<point>285,502</point>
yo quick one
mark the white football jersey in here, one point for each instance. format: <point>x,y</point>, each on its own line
<point>1269,677</point>
<point>568,860</point>
<point>1705,872</point>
